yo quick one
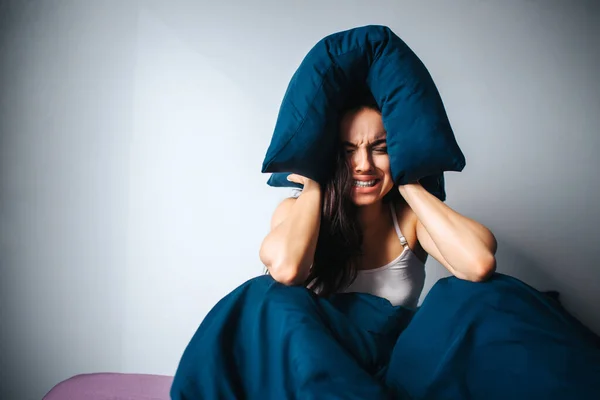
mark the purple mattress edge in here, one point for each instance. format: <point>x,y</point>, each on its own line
<point>113,386</point>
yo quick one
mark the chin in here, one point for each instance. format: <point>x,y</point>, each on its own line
<point>362,201</point>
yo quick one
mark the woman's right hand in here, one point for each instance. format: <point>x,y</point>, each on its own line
<point>304,181</point>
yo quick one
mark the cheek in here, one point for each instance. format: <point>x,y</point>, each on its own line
<point>383,164</point>
<point>350,162</point>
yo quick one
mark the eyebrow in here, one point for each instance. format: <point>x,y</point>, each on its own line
<point>377,142</point>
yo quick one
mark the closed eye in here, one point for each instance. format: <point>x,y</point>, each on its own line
<point>349,148</point>
<point>378,146</point>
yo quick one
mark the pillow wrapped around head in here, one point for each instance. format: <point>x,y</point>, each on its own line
<point>421,143</point>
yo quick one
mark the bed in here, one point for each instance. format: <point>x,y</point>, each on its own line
<point>113,386</point>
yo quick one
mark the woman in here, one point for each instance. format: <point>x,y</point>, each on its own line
<point>361,233</point>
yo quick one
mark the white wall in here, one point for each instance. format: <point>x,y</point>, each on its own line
<point>132,135</point>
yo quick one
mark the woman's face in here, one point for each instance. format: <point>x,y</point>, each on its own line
<point>364,141</point>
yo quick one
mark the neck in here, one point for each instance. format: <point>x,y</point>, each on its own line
<point>372,216</point>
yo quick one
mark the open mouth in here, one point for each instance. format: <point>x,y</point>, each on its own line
<point>366,184</point>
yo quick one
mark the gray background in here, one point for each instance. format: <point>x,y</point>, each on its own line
<point>132,135</point>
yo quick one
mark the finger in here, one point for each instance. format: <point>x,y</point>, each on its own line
<point>295,178</point>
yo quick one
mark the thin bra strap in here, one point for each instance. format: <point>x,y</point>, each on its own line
<point>403,240</point>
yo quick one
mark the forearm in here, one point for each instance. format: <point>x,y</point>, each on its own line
<point>465,244</point>
<point>288,250</point>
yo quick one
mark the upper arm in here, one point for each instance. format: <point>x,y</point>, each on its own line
<point>279,215</point>
<point>430,247</point>
<point>282,211</point>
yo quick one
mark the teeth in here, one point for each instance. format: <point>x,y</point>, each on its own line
<point>365,183</point>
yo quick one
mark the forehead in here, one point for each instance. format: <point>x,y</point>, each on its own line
<point>362,125</point>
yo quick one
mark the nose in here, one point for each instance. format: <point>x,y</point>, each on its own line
<point>362,161</point>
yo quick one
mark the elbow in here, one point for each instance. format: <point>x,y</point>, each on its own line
<point>483,269</point>
<point>283,270</point>
<point>287,275</point>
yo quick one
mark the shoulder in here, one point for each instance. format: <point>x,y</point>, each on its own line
<point>407,220</point>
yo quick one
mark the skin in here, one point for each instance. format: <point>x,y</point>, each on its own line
<point>462,245</point>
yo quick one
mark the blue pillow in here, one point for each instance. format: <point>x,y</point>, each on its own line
<point>420,140</point>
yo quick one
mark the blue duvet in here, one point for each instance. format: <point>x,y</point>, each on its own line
<point>495,340</point>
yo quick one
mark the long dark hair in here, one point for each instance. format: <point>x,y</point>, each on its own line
<point>339,245</point>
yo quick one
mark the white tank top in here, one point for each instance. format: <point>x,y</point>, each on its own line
<point>400,281</point>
